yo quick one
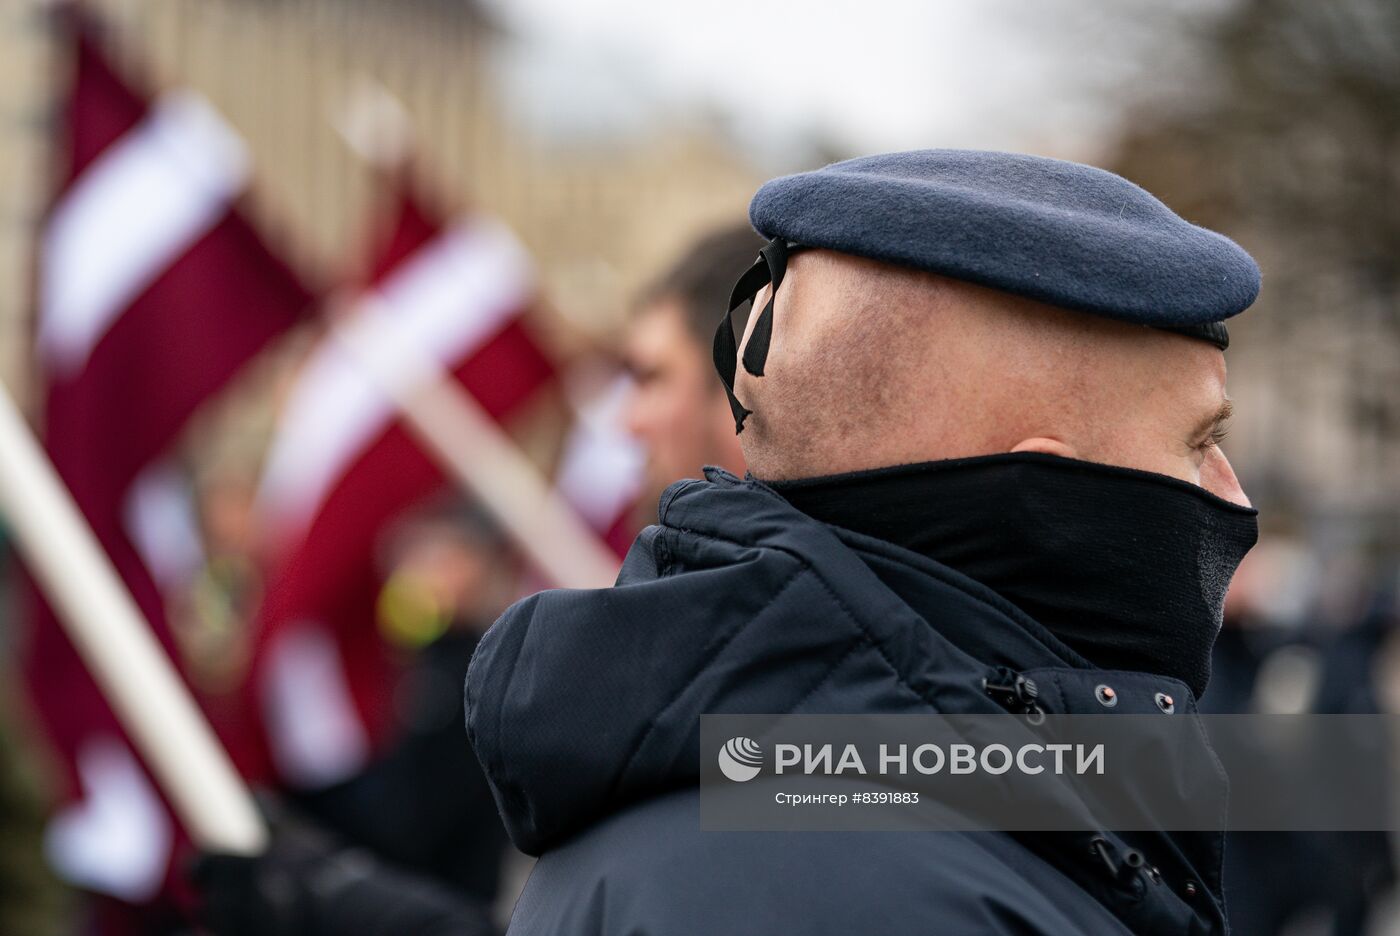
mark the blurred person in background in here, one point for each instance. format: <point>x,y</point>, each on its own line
<point>678,410</point>
<point>223,594</point>
<point>1277,654</point>
<point>424,804</point>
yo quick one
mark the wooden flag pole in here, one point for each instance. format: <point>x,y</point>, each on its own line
<point>114,640</point>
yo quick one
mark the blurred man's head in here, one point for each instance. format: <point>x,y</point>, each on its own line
<point>878,365</point>
<point>679,410</point>
<point>448,567</point>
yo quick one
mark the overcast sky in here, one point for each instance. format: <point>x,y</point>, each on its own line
<point>862,75</point>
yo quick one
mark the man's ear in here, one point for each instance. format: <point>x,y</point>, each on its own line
<point>1046,446</point>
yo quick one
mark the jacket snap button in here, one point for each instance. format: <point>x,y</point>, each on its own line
<point>1107,697</point>
<point>1166,703</point>
<point>1190,889</point>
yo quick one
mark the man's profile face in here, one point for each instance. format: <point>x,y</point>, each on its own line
<point>1188,416</point>
<point>677,410</point>
<point>1155,402</point>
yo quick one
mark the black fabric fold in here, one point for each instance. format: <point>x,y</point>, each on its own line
<point>1127,567</point>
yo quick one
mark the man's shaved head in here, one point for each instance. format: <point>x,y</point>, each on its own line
<point>874,365</point>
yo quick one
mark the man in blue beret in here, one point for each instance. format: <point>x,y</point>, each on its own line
<point>981,398</point>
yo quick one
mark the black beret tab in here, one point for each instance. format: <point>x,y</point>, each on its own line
<point>1058,232</point>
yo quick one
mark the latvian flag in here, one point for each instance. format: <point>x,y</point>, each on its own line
<point>342,468</point>
<point>153,291</point>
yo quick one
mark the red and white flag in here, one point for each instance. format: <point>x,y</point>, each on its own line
<point>153,291</point>
<point>342,467</point>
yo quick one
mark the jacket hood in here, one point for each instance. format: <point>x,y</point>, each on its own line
<point>580,703</point>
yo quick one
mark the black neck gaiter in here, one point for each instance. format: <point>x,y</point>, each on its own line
<point>1127,567</point>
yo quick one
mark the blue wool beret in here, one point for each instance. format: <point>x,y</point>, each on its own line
<point>1058,232</point>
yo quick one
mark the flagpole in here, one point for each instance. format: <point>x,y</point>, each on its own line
<point>481,457</point>
<point>131,667</point>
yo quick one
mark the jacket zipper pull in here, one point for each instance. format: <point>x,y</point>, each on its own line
<point>1125,871</point>
<point>1013,691</point>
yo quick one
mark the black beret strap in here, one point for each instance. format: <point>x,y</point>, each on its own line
<point>775,252</point>
<point>770,267</point>
<point>726,347</point>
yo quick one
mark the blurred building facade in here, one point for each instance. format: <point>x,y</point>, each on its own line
<point>599,217</point>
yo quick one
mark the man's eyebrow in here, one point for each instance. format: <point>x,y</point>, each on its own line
<point>1216,419</point>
